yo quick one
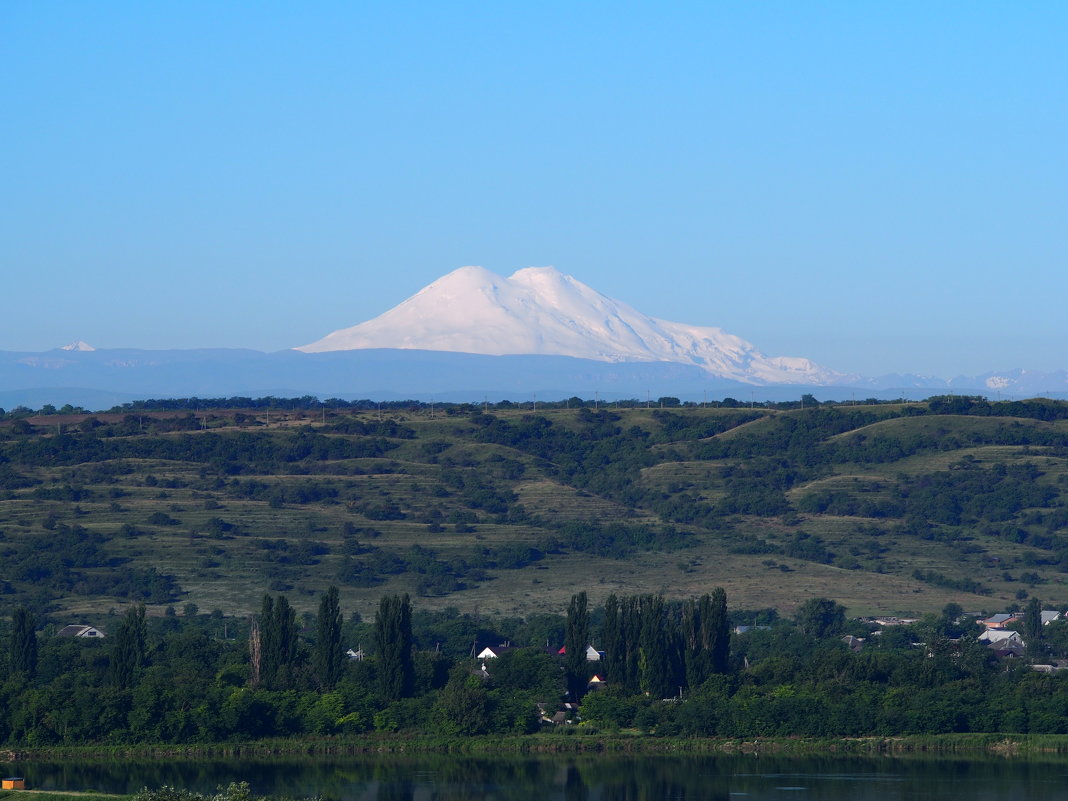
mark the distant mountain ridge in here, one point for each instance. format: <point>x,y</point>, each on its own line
<point>472,335</point>
<point>541,311</point>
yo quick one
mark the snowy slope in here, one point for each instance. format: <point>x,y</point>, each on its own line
<point>539,310</point>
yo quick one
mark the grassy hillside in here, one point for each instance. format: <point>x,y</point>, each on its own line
<point>886,508</point>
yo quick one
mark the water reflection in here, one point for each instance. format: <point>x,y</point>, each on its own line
<point>578,778</point>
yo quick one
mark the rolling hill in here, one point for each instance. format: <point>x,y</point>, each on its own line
<point>888,508</point>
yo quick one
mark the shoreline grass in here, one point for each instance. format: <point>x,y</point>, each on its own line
<point>1001,745</point>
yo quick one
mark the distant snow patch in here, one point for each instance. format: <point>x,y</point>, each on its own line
<point>80,345</point>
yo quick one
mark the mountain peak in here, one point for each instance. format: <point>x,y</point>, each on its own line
<point>80,345</point>
<point>528,274</point>
<point>472,274</point>
<point>542,311</point>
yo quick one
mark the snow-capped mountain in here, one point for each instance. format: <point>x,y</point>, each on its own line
<point>541,311</point>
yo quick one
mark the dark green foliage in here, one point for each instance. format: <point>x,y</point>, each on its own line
<point>393,643</point>
<point>277,628</point>
<point>612,642</point>
<point>706,637</point>
<point>821,617</point>
<point>463,707</point>
<point>64,561</point>
<point>644,647</point>
<point>23,645</point>
<point>527,670</point>
<point>1032,622</point>
<point>941,580</point>
<point>129,648</point>
<point>191,686</point>
<point>657,675</point>
<point>617,540</point>
<point>630,642</point>
<point>328,657</point>
<point>576,639</point>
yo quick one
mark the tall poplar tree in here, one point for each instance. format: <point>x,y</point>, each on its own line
<point>576,640</point>
<point>613,643</point>
<point>657,675</point>
<point>266,637</point>
<point>129,647</point>
<point>393,640</point>
<point>1032,622</point>
<point>718,638</point>
<point>23,647</point>
<point>328,657</point>
<point>695,658</point>
<point>706,637</point>
<point>631,625</point>
<point>277,629</point>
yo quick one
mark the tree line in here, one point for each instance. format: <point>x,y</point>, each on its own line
<point>668,668</point>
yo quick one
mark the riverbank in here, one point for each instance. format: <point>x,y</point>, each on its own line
<point>1000,745</point>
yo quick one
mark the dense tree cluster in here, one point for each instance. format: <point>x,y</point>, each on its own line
<point>669,669</point>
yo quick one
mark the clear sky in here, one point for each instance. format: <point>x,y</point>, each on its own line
<point>881,187</point>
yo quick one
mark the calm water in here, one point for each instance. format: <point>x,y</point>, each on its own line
<point>600,778</point>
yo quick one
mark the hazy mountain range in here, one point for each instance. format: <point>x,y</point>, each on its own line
<point>474,334</point>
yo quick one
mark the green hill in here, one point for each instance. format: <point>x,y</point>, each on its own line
<point>886,508</point>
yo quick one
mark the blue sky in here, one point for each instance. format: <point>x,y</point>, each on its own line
<point>880,187</point>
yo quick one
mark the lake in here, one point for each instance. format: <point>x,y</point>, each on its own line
<point>579,778</point>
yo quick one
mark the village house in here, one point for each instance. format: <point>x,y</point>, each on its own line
<point>592,654</point>
<point>494,651</point>
<point>1000,621</point>
<point>80,631</point>
<point>1000,636</point>
<point>1004,642</point>
<point>893,621</point>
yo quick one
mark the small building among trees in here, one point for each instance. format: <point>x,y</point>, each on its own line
<point>80,631</point>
